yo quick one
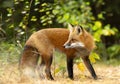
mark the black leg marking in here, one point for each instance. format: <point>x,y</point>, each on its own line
<point>70,68</point>
<point>90,67</point>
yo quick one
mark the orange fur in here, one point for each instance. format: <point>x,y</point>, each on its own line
<point>45,41</point>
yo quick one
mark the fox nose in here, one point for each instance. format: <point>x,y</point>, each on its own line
<point>66,45</point>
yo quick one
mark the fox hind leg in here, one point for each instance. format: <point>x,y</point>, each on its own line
<point>41,68</point>
<point>48,63</point>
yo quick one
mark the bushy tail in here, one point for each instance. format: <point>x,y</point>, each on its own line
<point>28,61</point>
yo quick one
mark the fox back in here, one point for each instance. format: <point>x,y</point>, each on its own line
<point>49,40</point>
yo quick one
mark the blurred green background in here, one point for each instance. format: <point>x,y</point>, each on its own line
<point>20,18</point>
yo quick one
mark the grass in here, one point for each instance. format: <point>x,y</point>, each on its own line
<point>9,74</point>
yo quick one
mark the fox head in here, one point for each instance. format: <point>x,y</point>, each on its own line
<point>79,38</point>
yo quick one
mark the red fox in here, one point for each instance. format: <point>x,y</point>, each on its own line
<point>73,42</point>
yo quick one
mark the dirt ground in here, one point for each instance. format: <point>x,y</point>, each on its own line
<point>9,74</point>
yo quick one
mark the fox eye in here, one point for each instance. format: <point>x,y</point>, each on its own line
<point>74,39</point>
<point>79,30</point>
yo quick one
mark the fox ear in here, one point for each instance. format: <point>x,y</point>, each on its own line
<point>79,29</point>
<point>70,27</point>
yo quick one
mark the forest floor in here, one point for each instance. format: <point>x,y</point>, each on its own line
<point>9,74</point>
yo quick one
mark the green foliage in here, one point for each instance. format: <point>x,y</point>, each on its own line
<point>60,69</point>
<point>100,30</point>
<point>74,12</point>
<point>108,31</point>
<point>9,53</point>
<point>114,51</point>
<point>93,57</point>
<point>22,17</point>
<point>47,18</point>
<point>81,67</point>
<point>59,65</point>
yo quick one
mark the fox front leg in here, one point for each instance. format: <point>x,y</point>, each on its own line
<point>70,67</point>
<point>89,67</point>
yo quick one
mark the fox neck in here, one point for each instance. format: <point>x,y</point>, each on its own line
<point>82,51</point>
